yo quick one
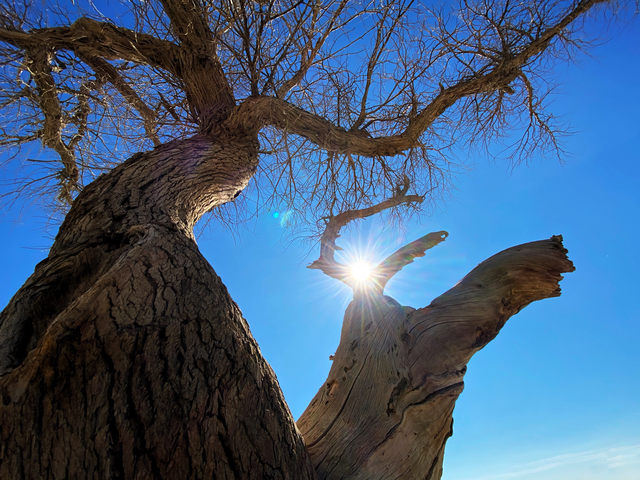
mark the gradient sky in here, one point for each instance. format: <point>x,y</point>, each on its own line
<point>557,394</point>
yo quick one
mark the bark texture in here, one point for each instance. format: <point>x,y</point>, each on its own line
<point>385,410</point>
<point>123,355</point>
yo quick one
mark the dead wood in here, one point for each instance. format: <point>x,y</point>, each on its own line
<point>385,410</point>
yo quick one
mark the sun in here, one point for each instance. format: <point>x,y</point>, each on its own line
<point>361,271</point>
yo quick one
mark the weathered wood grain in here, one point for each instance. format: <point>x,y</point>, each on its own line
<point>385,410</point>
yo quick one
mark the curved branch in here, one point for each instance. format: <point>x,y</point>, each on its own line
<point>498,78</point>
<point>92,38</point>
<point>207,89</point>
<point>404,256</point>
<point>479,305</point>
<point>37,62</point>
<point>385,410</point>
<point>327,262</point>
<point>257,112</point>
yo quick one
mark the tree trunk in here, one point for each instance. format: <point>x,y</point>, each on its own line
<point>123,355</point>
<point>385,411</point>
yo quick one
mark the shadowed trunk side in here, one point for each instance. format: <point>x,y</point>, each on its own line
<point>125,355</point>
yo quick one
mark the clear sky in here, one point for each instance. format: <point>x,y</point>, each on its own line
<point>557,394</point>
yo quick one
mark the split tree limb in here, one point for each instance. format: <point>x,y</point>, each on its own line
<point>327,262</point>
<point>188,22</point>
<point>403,257</point>
<point>383,272</point>
<point>207,88</point>
<point>385,411</point>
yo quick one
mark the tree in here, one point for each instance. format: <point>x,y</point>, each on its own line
<point>123,352</point>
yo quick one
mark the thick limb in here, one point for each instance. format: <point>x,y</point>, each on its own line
<point>385,411</point>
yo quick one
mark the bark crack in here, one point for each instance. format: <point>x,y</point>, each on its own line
<point>115,453</point>
<point>344,404</point>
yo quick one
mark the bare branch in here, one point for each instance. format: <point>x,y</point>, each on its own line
<point>257,112</point>
<point>108,72</point>
<point>40,69</point>
<point>334,223</point>
<point>325,134</point>
<point>207,87</point>
<point>374,91</point>
<point>189,23</point>
<point>404,256</point>
<point>309,52</point>
<point>92,38</point>
<point>397,372</point>
<point>497,78</point>
<point>383,37</point>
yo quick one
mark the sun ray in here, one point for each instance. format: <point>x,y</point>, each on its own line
<point>361,271</point>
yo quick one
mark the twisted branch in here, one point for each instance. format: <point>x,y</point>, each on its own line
<point>37,63</point>
<point>334,223</point>
<point>256,112</point>
<point>92,38</point>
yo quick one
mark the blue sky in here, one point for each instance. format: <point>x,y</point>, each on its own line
<point>557,394</point>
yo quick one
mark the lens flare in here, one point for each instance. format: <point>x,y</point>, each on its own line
<point>361,271</point>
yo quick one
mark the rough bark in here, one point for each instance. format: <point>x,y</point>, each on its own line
<point>123,355</point>
<point>385,410</point>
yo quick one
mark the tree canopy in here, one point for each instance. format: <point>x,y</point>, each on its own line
<point>348,98</point>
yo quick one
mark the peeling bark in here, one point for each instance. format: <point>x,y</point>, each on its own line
<point>385,410</point>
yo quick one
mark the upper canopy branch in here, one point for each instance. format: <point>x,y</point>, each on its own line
<point>93,38</point>
<point>309,52</point>
<point>497,78</point>
<point>258,111</point>
<point>93,43</point>
<point>37,63</point>
<point>108,72</point>
<point>189,22</point>
<point>207,87</point>
<point>361,82</point>
<point>201,74</point>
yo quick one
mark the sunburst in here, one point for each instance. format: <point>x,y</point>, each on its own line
<point>361,271</point>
